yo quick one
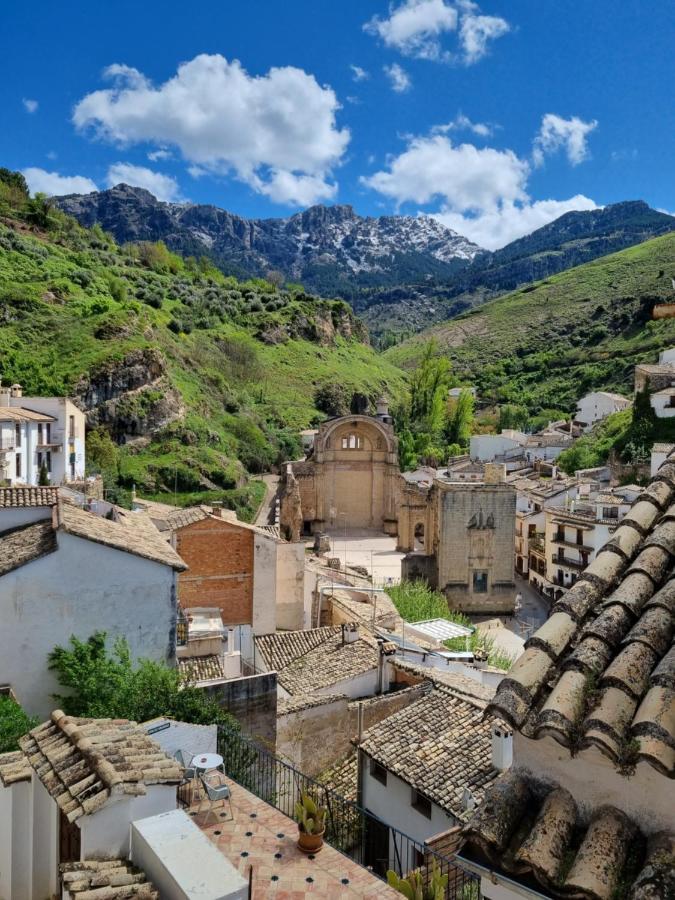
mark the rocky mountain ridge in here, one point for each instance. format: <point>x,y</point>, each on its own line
<point>328,248</point>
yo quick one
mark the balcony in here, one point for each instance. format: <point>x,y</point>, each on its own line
<point>536,543</point>
<point>569,563</point>
<point>560,539</point>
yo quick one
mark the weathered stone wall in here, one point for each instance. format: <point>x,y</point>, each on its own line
<point>315,738</point>
<point>476,538</point>
<point>252,700</point>
<point>375,709</point>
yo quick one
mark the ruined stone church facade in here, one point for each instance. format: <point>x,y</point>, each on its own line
<point>351,476</point>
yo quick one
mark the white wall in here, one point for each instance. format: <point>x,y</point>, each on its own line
<point>13,517</point>
<point>485,447</point>
<point>364,685</point>
<point>657,460</point>
<point>106,833</point>
<point>593,781</point>
<point>191,739</point>
<point>61,409</point>
<point>45,828</point>
<point>667,357</point>
<point>180,860</point>
<point>290,585</point>
<point>596,406</point>
<point>264,619</point>
<point>79,589</point>
<point>660,403</point>
<point>392,804</point>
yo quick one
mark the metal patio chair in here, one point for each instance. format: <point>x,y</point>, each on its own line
<point>216,793</point>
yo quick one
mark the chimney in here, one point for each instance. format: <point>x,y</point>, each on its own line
<point>350,633</point>
<point>4,395</point>
<point>383,411</point>
<point>502,747</point>
<point>16,391</point>
<point>217,509</point>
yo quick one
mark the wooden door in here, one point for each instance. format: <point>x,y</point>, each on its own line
<point>69,840</point>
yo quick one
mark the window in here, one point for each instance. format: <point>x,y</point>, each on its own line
<point>480,582</point>
<point>352,442</point>
<point>17,435</point>
<point>378,772</point>
<point>71,427</point>
<point>48,433</point>
<point>610,512</point>
<point>39,437</point>
<point>18,465</point>
<point>421,803</point>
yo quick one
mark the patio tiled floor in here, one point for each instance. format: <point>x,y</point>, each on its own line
<point>262,837</point>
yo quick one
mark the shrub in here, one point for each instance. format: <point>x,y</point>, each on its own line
<point>14,723</point>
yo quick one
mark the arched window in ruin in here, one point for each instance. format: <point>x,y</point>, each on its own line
<point>419,536</point>
<point>352,442</point>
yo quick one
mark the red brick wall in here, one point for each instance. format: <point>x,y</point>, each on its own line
<point>220,559</point>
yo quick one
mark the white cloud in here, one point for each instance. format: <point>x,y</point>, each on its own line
<point>464,123</point>
<point>164,187</point>
<point>359,74</point>
<point>276,132</point>
<point>162,153</point>
<point>41,181</point>
<point>481,191</point>
<point>415,26</point>
<point>557,133</point>
<point>398,78</point>
<point>476,31</point>
<point>30,106</point>
<point>501,225</point>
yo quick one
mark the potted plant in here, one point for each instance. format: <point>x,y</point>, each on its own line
<point>311,819</point>
<point>414,886</point>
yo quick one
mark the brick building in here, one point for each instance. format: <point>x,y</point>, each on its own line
<point>252,576</point>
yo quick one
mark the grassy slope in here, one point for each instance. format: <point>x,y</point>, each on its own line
<point>245,399</point>
<point>549,343</point>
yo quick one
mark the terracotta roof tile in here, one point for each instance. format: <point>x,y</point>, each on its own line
<point>109,879</point>
<point>534,830</point>
<point>439,745</point>
<point>601,670</point>
<point>201,668</point>
<point>133,532</point>
<point>83,762</point>
<point>13,497</point>
<point>14,766</point>
<point>26,543</point>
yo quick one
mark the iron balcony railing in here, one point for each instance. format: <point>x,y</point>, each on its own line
<point>536,543</point>
<point>350,829</point>
<point>568,562</point>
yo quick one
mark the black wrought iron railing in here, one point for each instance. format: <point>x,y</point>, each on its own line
<point>350,829</point>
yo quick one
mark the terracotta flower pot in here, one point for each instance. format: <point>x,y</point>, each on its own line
<point>310,843</point>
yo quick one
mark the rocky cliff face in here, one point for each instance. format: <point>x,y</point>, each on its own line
<point>132,397</point>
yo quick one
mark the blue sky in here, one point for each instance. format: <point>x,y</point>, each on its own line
<point>496,117</point>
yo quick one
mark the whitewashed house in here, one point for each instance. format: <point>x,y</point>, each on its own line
<point>88,808</point>
<point>65,571</point>
<point>597,406</point>
<point>36,431</point>
<point>425,768</point>
<point>663,402</point>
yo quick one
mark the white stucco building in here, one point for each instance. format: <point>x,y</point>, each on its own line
<point>597,406</point>
<point>36,431</point>
<point>423,769</point>
<point>88,807</point>
<point>65,571</point>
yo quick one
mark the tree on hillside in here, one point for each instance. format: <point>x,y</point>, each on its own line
<point>429,390</point>
<point>460,419</point>
<point>39,211</point>
<point>102,454</point>
<point>100,684</point>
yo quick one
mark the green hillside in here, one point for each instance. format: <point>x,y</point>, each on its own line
<point>199,379</point>
<point>547,344</point>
